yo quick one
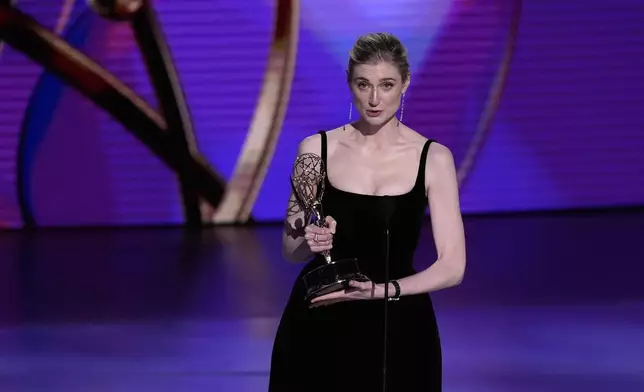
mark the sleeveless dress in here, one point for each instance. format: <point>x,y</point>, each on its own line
<point>339,347</point>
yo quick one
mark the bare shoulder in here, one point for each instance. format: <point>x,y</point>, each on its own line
<point>415,139</point>
<point>440,170</point>
<point>311,144</point>
<point>439,165</point>
<point>439,156</point>
<point>411,136</point>
<point>334,134</point>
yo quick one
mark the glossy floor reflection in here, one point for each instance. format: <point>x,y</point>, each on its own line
<point>550,303</point>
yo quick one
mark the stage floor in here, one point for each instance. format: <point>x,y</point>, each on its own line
<point>549,303</point>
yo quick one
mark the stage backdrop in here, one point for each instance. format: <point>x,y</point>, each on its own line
<point>191,110</point>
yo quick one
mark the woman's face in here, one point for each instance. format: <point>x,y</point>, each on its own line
<point>377,89</point>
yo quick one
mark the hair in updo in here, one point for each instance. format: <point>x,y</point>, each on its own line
<point>375,47</point>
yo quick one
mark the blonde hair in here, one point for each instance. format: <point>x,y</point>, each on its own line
<point>375,47</point>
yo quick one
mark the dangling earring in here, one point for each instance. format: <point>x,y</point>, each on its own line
<point>344,127</point>
<point>402,108</point>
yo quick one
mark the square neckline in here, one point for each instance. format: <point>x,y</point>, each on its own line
<point>330,185</point>
<point>420,170</point>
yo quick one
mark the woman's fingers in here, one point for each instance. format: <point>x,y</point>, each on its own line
<point>317,230</point>
<point>318,249</point>
<point>319,243</point>
<point>331,223</point>
<point>319,237</point>
<point>361,285</point>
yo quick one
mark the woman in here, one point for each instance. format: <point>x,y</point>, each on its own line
<point>335,342</point>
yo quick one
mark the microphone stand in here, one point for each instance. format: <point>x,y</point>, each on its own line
<point>389,207</point>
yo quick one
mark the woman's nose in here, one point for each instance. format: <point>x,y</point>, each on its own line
<point>373,98</point>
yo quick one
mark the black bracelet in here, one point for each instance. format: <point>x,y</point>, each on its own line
<point>396,295</point>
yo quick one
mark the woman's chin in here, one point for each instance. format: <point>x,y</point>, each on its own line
<point>377,120</point>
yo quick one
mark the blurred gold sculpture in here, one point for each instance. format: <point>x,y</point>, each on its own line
<point>169,133</point>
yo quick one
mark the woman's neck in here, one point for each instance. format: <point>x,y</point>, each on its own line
<point>376,136</point>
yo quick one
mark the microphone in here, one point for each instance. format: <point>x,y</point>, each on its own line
<point>388,207</point>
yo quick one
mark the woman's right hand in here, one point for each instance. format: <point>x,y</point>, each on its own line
<point>320,238</point>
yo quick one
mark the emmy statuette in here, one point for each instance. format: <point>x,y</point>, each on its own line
<point>307,180</point>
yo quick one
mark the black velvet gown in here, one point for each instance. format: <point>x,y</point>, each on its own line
<point>340,347</point>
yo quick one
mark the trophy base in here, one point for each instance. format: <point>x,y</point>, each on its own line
<point>332,277</point>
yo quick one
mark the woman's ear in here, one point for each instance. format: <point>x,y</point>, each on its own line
<point>406,84</point>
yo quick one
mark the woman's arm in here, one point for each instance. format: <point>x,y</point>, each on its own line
<point>447,226</point>
<point>294,246</point>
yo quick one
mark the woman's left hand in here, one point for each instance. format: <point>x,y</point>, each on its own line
<point>358,291</point>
